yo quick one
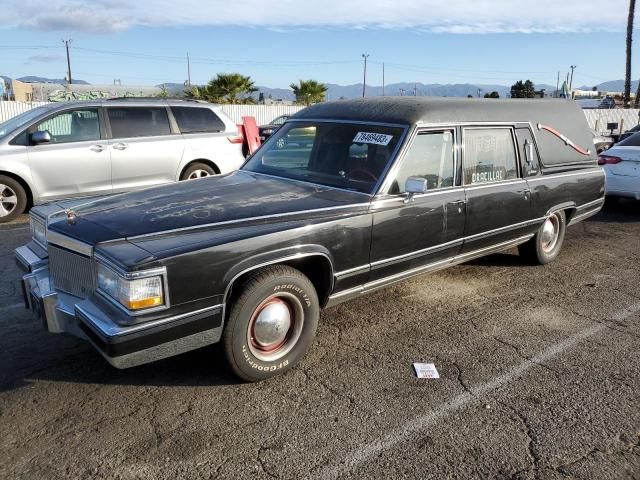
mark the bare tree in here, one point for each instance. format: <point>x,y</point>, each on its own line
<point>627,73</point>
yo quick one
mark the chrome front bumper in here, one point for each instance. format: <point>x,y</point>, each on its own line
<point>122,346</point>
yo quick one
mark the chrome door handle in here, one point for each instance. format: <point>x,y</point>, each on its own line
<point>525,193</point>
<point>121,146</point>
<point>96,148</point>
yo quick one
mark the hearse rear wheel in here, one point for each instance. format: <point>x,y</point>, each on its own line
<point>545,246</point>
<point>271,323</point>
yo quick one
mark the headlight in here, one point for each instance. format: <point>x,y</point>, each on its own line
<point>38,230</point>
<point>132,293</point>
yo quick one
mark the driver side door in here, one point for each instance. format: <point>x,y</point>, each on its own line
<point>414,233</point>
<point>76,161</point>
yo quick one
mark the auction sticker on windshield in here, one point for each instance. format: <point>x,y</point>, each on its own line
<point>374,138</point>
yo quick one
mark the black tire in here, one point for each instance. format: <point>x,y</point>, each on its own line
<point>278,289</point>
<point>543,247</point>
<point>197,170</point>
<point>13,199</point>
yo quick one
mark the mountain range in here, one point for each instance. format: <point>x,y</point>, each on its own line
<point>335,91</point>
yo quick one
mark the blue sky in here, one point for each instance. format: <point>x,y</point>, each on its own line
<point>468,42</point>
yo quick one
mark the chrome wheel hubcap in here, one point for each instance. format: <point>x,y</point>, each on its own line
<point>8,200</point>
<point>198,174</point>
<point>275,327</point>
<point>550,232</point>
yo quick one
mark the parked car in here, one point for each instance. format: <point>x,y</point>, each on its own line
<point>63,150</point>
<point>390,188</point>
<point>621,164</point>
<point>628,133</point>
<point>601,142</point>
<point>267,130</point>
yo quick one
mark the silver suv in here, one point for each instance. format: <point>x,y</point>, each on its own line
<point>65,150</point>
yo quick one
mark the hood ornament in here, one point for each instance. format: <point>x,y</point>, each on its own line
<point>71,216</point>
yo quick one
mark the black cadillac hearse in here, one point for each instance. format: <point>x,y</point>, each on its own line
<point>345,198</point>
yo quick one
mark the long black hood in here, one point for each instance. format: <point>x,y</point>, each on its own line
<point>229,198</point>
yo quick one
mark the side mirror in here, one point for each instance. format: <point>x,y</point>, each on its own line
<point>40,137</point>
<point>413,186</point>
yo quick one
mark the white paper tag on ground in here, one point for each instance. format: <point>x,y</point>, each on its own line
<point>426,370</point>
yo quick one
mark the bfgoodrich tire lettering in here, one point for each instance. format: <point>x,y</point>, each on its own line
<point>271,323</point>
<point>545,246</point>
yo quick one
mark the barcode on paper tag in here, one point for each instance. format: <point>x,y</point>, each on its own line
<point>426,370</point>
<point>374,138</point>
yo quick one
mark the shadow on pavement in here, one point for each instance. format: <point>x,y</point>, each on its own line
<point>618,210</point>
<point>66,359</point>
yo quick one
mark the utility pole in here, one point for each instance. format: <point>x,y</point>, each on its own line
<point>415,89</point>
<point>364,81</point>
<point>383,79</point>
<point>573,67</point>
<point>557,95</point>
<point>66,44</point>
<point>188,72</point>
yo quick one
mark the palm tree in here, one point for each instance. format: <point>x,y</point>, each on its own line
<point>309,91</point>
<point>627,74</point>
<point>228,88</point>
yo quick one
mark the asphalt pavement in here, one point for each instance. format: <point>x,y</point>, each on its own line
<point>539,379</point>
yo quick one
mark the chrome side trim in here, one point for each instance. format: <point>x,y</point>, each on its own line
<point>353,271</point>
<point>69,243</point>
<point>383,282</point>
<point>599,201</point>
<point>562,175</point>
<point>583,216</point>
<point>433,248</point>
<point>500,183</point>
<point>278,260</point>
<point>112,330</point>
<point>248,219</point>
<point>505,229</point>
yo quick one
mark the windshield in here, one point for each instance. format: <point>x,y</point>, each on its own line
<point>16,122</point>
<point>344,155</point>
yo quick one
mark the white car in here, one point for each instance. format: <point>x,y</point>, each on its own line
<point>621,164</point>
<point>66,150</point>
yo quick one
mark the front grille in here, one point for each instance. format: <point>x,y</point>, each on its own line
<point>71,272</point>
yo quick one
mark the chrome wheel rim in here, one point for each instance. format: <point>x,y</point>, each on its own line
<point>198,174</point>
<point>550,233</point>
<point>275,327</point>
<point>8,200</point>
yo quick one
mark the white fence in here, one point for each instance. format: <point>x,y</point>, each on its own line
<point>626,119</point>
<point>262,113</point>
<point>596,118</point>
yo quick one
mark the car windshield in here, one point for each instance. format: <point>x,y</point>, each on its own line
<point>344,155</point>
<point>630,141</point>
<point>16,122</point>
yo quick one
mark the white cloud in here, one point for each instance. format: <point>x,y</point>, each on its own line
<point>452,16</point>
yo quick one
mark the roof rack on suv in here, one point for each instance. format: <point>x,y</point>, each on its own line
<point>157,99</point>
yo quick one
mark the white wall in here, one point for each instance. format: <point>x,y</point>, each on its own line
<point>262,113</point>
<point>597,119</point>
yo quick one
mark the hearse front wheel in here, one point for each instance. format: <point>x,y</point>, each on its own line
<point>271,323</point>
<point>547,242</point>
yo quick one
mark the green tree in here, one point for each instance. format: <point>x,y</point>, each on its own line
<point>522,89</point>
<point>225,88</point>
<point>627,72</point>
<point>493,94</point>
<point>309,91</point>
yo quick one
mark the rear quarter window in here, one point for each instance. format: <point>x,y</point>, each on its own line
<point>197,120</point>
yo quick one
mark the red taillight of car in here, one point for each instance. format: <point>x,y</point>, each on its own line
<point>236,139</point>
<point>608,160</point>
